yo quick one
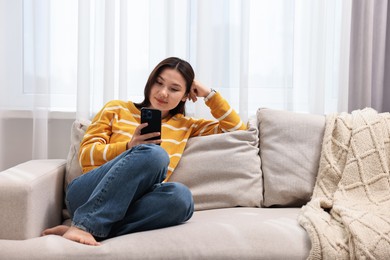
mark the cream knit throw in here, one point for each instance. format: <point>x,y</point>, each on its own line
<point>348,216</point>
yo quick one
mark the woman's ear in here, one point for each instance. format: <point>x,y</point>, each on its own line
<point>184,98</point>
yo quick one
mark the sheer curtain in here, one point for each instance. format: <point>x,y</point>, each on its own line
<point>119,43</point>
<point>77,55</point>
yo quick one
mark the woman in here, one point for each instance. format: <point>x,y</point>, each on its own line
<point>123,188</point>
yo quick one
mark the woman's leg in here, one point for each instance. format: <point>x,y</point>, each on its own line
<point>168,204</point>
<point>98,199</point>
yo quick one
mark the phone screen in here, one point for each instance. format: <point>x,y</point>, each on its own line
<point>153,118</point>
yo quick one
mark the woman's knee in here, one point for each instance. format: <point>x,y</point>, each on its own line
<point>181,200</point>
<point>155,155</point>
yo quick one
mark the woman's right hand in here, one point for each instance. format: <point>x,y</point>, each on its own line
<point>198,90</point>
<point>141,139</point>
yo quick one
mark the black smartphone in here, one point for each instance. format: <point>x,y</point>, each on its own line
<point>153,118</point>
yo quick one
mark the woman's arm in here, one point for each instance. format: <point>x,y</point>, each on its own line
<point>113,131</point>
<point>95,148</point>
<point>227,118</point>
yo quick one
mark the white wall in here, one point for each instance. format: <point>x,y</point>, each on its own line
<point>16,140</point>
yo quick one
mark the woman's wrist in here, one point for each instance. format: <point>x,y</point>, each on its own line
<point>210,95</point>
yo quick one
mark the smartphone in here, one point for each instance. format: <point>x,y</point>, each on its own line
<point>153,118</point>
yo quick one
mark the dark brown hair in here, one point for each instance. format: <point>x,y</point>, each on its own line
<point>181,66</point>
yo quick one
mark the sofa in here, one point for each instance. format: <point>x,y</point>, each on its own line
<point>248,188</point>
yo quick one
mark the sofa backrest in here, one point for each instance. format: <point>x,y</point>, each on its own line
<point>225,170</point>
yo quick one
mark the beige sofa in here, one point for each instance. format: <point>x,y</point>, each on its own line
<point>248,188</point>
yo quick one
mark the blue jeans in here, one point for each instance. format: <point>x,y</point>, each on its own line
<point>127,195</point>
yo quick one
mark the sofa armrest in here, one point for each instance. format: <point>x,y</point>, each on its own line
<point>31,198</point>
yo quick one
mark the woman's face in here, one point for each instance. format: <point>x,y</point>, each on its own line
<point>168,90</point>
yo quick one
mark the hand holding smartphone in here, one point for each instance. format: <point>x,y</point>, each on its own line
<point>153,118</point>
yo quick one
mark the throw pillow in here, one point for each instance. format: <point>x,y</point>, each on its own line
<point>73,168</point>
<point>290,148</point>
<point>222,170</point>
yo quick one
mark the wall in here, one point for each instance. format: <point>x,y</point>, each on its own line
<point>16,136</point>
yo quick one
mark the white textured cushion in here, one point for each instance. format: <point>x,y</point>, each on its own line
<point>222,170</point>
<point>290,148</point>
<point>73,168</point>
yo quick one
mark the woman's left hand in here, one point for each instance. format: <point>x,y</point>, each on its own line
<point>198,90</point>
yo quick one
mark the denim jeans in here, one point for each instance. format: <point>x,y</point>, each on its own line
<point>127,195</point>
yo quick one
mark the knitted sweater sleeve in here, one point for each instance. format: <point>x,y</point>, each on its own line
<point>95,148</point>
<point>227,119</point>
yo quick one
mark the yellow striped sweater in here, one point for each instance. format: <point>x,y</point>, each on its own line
<point>115,124</point>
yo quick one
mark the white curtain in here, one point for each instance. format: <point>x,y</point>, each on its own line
<point>77,55</point>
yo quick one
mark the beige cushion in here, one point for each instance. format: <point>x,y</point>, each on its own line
<point>290,147</point>
<point>222,170</point>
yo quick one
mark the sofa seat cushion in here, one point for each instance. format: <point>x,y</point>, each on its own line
<point>231,233</point>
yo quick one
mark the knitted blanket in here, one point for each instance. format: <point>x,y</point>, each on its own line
<point>348,216</point>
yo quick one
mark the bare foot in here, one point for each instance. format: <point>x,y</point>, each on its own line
<point>80,236</point>
<point>57,230</point>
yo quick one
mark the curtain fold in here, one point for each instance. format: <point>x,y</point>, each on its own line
<point>109,55</point>
<point>36,69</point>
<point>244,60</point>
<point>386,84</point>
<point>123,43</point>
<point>370,45</point>
<point>83,57</point>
